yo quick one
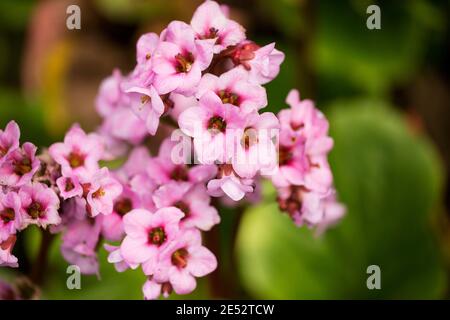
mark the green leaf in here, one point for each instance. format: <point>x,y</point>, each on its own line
<point>389,179</point>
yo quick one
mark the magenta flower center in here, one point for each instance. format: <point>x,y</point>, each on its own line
<point>123,206</point>
<point>210,34</point>
<point>229,97</point>
<point>293,204</point>
<point>36,210</point>
<point>179,173</point>
<point>7,215</point>
<point>184,62</point>
<point>3,151</point>
<point>22,166</point>
<point>75,159</point>
<point>69,185</point>
<point>157,236</point>
<point>179,258</point>
<point>285,155</point>
<point>217,123</point>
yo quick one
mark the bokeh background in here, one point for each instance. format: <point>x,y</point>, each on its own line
<point>386,93</point>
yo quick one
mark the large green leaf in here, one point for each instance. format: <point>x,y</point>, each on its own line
<point>389,179</point>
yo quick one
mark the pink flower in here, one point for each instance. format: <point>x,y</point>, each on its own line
<point>116,258</point>
<point>39,205</point>
<point>193,202</point>
<point>229,183</point>
<point>69,187</point>
<point>179,59</point>
<point>255,150</point>
<point>20,166</point>
<point>171,166</point>
<point>262,64</point>
<point>333,212</point>
<point>147,105</point>
<point>79,154</point>
<point>152,289</point>
<point>110,96</point>
<point>147,233</point>
<point>9,140</point>
<point>183,260</point>
<point>181,103</point>
<point>234,88</point>
<point>10,217</point>
<point>80,243</point>
<point>211,24</point>
<point>124,124</point>
<point>145,47</point>
<point>112,228</point>
<point>103,190</point>
<point>211,124</point>
<point>7,259</point>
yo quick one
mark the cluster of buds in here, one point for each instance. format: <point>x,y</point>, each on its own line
<point>198,88</point>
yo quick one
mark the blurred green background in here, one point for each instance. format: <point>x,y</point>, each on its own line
<point>386,93</point>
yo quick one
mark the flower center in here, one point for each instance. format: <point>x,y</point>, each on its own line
<point>297,126</point>
<point>210,34</point>
<point>145,99</point>
<point>179,258</point>
<point>224,170</point>
<point>3,151</point>
<point>157,236</point>
<point>249,138</point>
<point>284,155</point>
<point>99,193</point>
<point>7,215</point>
<point>69,185</point>
<point>179,173</point>
<point>217,123</point>
<point>75,159</point>
<point>22,167</point>
<point>123,206</point>
<point>184,62</point>
<point>35,210</point>
<point>229,97</point>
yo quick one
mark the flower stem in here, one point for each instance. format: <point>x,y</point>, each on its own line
<point>40,264</point>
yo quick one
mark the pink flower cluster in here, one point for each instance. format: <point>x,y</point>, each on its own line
<point>196,96</point>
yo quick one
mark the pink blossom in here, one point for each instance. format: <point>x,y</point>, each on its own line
<point>9,140</point>
<point>145,47</point>
<point>123,124</point>
<point>211,124</point>
<point>147,105</point>
<point>180,103</point>
<point>79,153</point>
<point>69,187</point>
<point>261,63</point>
<point>179,59</point>
<point>20,166</point>
<point>229,183</point>
<point>103,190</point>
<point>233,87</point>
<point>255,150</point>
<point>183,260</point>
<point>194,202</point>
<point>110,96</point>
<point>40,205</point>
<point>80,243</point>
<point>147,234</point>
<point>10,216</point>
<point>152,289</point>
<point>210,23</point>
<point>116,258</point>
<point>7,259</point>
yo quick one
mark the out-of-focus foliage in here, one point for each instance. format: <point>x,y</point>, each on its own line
<point>390,180</point>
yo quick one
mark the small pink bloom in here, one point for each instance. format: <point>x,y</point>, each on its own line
<point>124,124</point>
<point>183,260</point>
<point>229,183</point>
<point>116,258</point>
<point>7,259</point>
<point>181,103</point>
<point>110,96</point>
<point>69,187</point>
<point>79,153</point>
<point>211,124</point>
<point>39,205</point>
<point>179,59</point>
<point>255,150</point>
<point>10,217</point>
<point>147,234</point>
<point>20,166</point>
<point>194,202</point>
<point>210,23</point>
<point>9,140</point>
<point>262,64</point>
<point>152,289</point>
<point>145,47</point>
<point>103,190</point>
<point>79,244</point>
<point>234,88</point>
<point>147,105</point>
